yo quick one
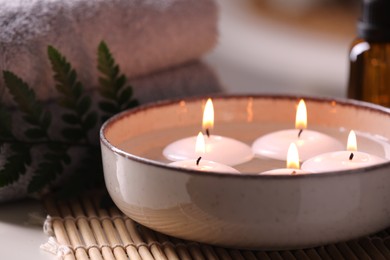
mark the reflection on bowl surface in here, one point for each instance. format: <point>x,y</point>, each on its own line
<point>247,210</point>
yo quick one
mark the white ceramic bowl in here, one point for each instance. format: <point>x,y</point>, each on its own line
<point>247,210</point>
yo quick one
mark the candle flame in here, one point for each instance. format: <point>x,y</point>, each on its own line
<point>200,146</point>
<point>301,116</point>
<point>292,157</point>
<point>208,115</point>
<point>352,142</point>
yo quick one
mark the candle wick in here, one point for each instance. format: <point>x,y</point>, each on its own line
<point>293,173</point>
<point>300,132</point>
<point>197,161</point>
<point>351,156</point>
<point>207,132</point>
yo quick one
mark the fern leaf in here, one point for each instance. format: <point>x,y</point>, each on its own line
<point>49,168</point>
<point>132,103</point>
<point>88,175</point>
<point>83,105</point>
<point>112,84</point>
<point>73,134</point>
<point>90,120</point>
<point>5,124</point>
<point>70,119</point>
<point>65,76</point>
<point>108,107</point>
<point>45,174</point>
<point>26,100</point>
<point>73,97</point>
<point>15,165</point>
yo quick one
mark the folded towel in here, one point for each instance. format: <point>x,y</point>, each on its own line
<point>144,36</point>
<point>190,79</point>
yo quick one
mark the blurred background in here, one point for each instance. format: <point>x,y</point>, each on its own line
<point>297,47</point>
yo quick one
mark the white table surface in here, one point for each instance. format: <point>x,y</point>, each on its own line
<point>19,239</point>
<point>254,55</point>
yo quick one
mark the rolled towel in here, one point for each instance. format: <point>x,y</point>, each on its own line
<point>193,78</point>
<point>144,36</point>
<point>190,79</point>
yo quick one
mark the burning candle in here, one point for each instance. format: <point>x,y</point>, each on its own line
<point>292,163</point>
<point>219,149</point>
<point>200,164</point>
<point>310,143</point>
<point>342,160</point>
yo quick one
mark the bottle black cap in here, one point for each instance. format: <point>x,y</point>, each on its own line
<point>374,24</point>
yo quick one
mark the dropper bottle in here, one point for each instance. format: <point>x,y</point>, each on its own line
<point>369,77</point>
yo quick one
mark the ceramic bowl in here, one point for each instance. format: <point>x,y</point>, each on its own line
<point>247,210</point>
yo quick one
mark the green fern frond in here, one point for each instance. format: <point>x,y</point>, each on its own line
<point>112,84</point>
<point>5,125</point>
<point>88,175</point>
<point>15,165</point>
<point>46,173</point>
<point>49,168</point>
<point>79,118</point>
<point>33,112</point>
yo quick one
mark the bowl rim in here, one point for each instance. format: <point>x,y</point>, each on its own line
<point>340,101</point>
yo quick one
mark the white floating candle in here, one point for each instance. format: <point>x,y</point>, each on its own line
<point>219,149</point>
<point>342,160</point>
<point>310,143</point>
<point>200,164</point>
<point>204,166</point>
<point>292,164</point>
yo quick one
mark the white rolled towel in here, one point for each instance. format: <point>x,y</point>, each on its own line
<point>144,36</point>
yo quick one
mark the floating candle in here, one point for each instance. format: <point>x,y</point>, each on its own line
<point>310,143</point>
<point>342,160</point>
<point>200,164</point>
<point>219,149</point>
<point>292,164</point>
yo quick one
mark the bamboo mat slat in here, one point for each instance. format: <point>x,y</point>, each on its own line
<point>84,230</point>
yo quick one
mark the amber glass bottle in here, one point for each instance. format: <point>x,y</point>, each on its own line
<point>369,77</point>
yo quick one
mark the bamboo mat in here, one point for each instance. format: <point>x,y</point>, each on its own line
<point>82,229</point>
